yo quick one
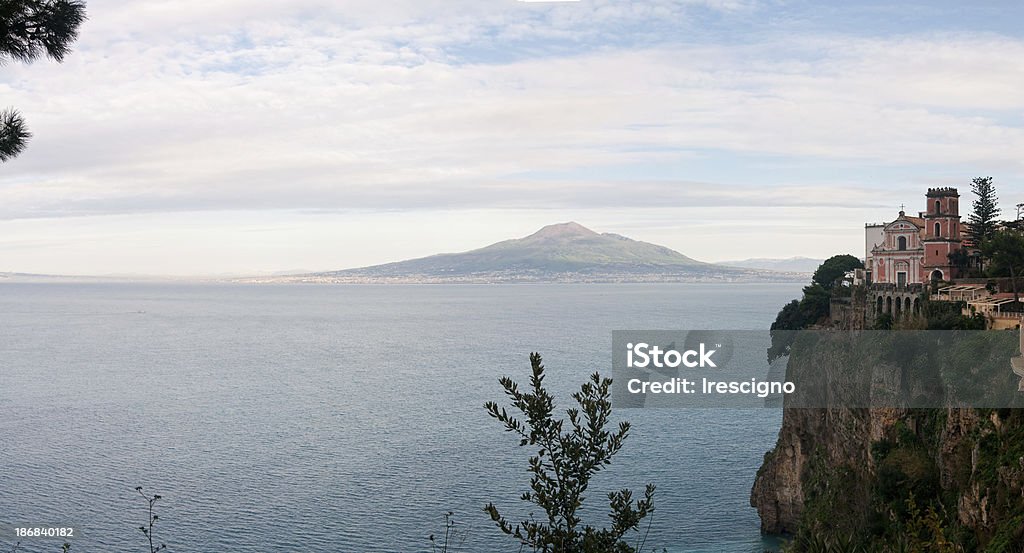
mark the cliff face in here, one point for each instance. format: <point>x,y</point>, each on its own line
<point>889,478</point>
<point>810,440</point>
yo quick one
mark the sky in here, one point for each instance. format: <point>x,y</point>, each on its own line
<point>188,137</point>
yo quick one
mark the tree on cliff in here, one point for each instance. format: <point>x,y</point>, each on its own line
<point>985,209</point>
<point>961,259</point>
<point>563,466</point>
<point>30,29</point>
<point>833,269</point>
<point>1005,251</point>
<point>813,306</point>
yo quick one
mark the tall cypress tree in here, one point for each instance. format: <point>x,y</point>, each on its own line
<point>30,29</point>
<point>985,210</point>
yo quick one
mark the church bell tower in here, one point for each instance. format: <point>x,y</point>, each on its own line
<point>941,234</point>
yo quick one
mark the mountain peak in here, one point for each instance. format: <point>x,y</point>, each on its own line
<point>572,229</point>
<point>563,252</point>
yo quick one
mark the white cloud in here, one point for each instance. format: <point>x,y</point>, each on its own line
<point>188,105</point>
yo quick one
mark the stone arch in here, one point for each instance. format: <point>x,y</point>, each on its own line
<point>936,275</point>
<point>879,306</point>
<point>906,306</point>
<point>899,308</point>
<point>888,304</point>
<point>917,306</point>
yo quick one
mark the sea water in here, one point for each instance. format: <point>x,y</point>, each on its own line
<point>343,418</point>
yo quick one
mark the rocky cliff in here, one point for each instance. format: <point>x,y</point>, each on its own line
<point>893,479</point>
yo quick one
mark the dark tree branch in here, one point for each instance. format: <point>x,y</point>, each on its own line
<point>30,29</point>
<point>14,135</point>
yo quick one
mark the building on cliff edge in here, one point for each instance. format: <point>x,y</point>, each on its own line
<point>911,258</point>
<point>915,250</point>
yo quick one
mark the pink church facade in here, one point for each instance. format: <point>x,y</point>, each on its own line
<point>915,250</point>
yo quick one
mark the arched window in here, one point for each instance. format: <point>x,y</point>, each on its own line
<point>937,206</point>
<point>901,243</point>
<point>938,229</point>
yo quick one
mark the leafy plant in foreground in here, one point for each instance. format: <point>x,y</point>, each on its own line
<point>563,466</point>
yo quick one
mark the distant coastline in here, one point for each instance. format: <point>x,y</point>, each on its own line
<point>566,278</point>
<point>526,278</point>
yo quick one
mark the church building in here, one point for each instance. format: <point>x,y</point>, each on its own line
<point>915,250</point>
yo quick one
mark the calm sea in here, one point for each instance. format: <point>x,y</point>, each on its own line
<point>341,418</point>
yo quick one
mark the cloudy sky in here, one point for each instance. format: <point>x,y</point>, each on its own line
<point>199,137</point>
